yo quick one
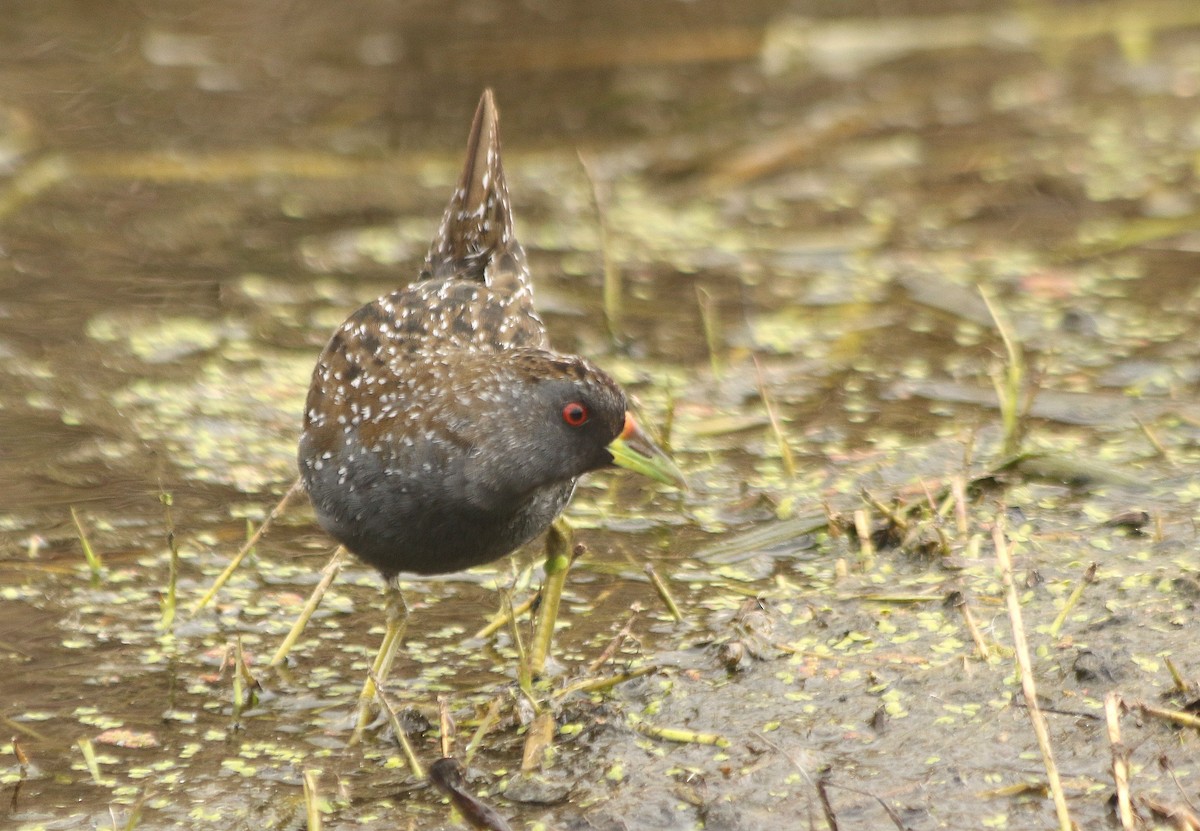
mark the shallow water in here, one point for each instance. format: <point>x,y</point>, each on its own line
<point>801,202</point>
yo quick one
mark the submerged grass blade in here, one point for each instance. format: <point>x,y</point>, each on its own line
<point>90,761</point>
<point>134,818</point>
<point>785,449</point>
<point>1010,382</point>
<point>712,329</point>
<point>586,685</point>
<point>613,289</point>
<point>89,553</point>
<point>169,599</point>
<point>677,734</point>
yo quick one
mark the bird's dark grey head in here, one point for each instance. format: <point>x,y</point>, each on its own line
<point>544,419</point>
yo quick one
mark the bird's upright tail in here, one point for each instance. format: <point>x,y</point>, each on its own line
<point>475,240</point>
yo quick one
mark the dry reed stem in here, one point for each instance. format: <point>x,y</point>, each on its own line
<point>785,449</point>
<point>1089,577</point>
<point>329,571</point>
<point>485,725</point>
<point>1174,716</point>
<point>224,576</point>
<point>613,290</point>
<point>410,755</point>
<point>539,738</point>
<point>312,800</point>
<point>862,527</point>
<point>1028,687</point>
<point>664,592</point>
<point>958,487</point>
<point>445,727</point>
<point>505,615</point>
<point>1120,760</point>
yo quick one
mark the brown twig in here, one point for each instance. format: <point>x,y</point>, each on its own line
<point>826,805</point>
<point>981,646</point>
<point>1179,817</point>
<point>1165,764</point>
<point>887,809</point>
<point>614,644</point>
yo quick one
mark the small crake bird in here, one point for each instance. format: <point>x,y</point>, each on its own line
<point>441,431</point>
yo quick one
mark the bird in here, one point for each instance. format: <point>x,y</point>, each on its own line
<point>441,429</point>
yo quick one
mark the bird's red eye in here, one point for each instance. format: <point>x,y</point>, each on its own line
<point>575,414</point>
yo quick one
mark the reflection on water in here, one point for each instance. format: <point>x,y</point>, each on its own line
<point>191,201</point>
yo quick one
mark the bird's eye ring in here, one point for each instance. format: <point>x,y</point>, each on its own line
<point>575,414</point>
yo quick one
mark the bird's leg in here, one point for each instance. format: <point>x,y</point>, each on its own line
<point>397,622</point>
<point>327,574</point>
<point>558,563</point>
